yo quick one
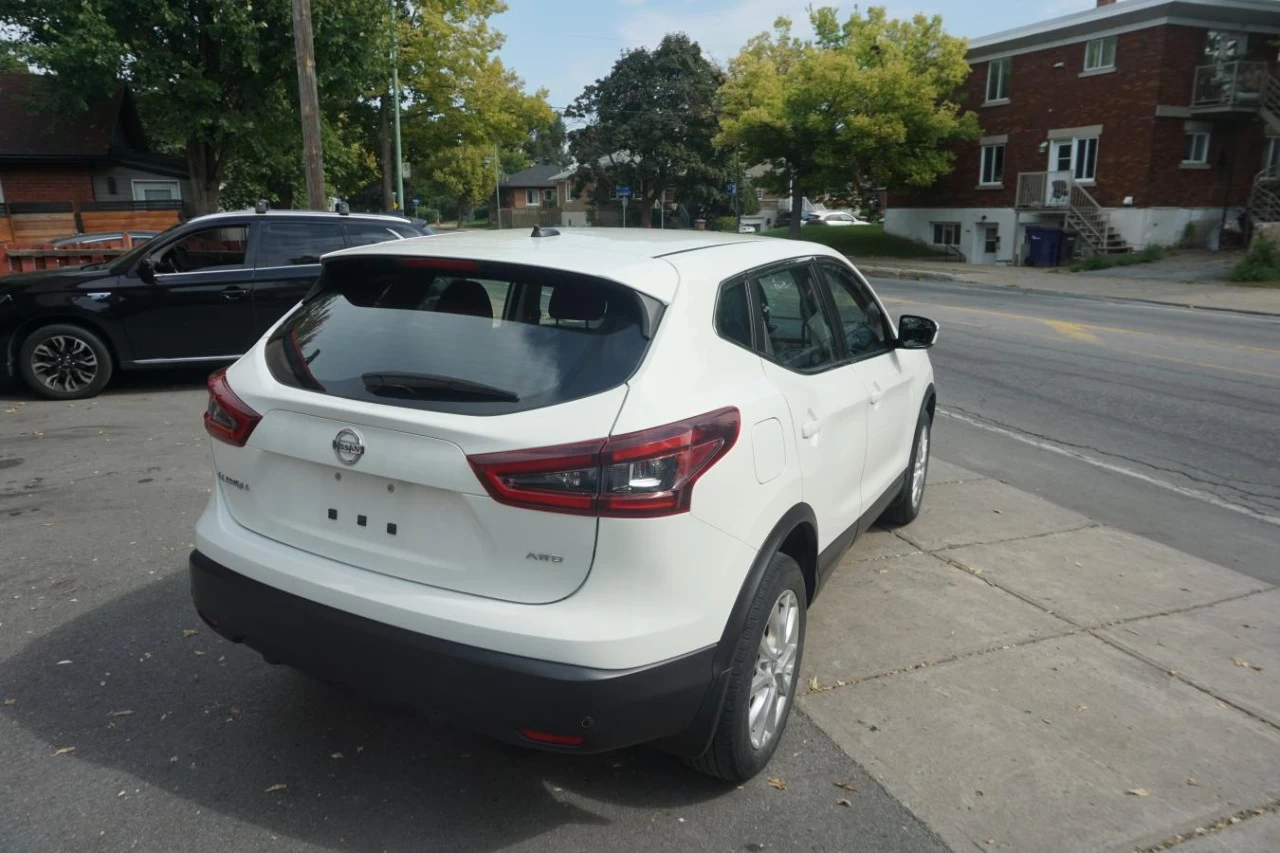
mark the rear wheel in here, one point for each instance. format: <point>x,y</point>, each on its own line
<point>905,509</point>
<point>762,678</point>
<point>64,362</point>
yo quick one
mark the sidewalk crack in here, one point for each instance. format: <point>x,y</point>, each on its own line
<point>1225,822</point>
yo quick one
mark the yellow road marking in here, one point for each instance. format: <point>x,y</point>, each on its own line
<point>1076,331</point>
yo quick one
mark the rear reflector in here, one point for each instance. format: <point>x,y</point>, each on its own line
<point>228,418</point>
<point>642,474</point>
<point>548,737</point>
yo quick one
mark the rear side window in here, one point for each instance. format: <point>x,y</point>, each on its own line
<point>367,233</point>
<point>733,319</point>
<point>293,243</point>
<point>455,336</point>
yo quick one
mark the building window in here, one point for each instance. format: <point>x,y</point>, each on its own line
<point>759,193</point>
<point>1195,148</point>
<point>156,191</point>
<point>992,173</point>
<point>998,71</point>
<point>1086,159</point>
<point>568,190</point>
<point>1222,46</point>
<point>1100,53</point>
<point>946,233</point>
<point>531,198</point>
<point>549,196</point>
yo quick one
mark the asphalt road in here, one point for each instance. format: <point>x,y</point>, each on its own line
<point>1162,421</point>
<point>125,734</point>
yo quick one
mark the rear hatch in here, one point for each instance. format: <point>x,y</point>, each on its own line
<point>394,371</point>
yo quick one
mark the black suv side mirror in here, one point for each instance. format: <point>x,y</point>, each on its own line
<point>916,332</point>
<point>147,271</point>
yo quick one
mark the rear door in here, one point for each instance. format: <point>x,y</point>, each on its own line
<point>376,392</point>
<point>869,348</point>
<point>828,403</point>
<point>287,263</point>
<point>199,307</point>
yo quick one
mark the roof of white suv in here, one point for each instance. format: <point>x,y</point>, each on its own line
<point>639,257</point>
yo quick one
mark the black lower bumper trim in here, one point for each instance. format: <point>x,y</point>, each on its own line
<point>491,692</point>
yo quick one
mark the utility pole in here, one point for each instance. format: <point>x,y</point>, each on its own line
<point>312,151</point>
<point>395,94</point>
<point>497,186</point>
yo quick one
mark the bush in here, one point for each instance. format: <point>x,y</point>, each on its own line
<point>1261,264</point>
<point>1102,262</point>
<point>725,223</point>
<point>1188,236</point>
<point>431,214</point>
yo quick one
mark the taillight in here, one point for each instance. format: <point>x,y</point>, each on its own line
<point>228,418</point>
<point>639,475</point>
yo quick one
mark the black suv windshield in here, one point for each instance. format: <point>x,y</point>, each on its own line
<point>458,336</point>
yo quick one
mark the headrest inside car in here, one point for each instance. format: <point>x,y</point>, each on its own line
<point>571,301</point>
<point>464,296</point>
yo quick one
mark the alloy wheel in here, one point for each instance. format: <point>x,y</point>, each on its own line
<point>921,468</point>
<point>775,670</point>
<point>64,363</point>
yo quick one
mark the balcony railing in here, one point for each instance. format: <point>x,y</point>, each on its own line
<point>1237,84</point>
<point>1044,190</point>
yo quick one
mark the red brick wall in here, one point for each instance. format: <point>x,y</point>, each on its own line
<point>46,183</point>
<point>1138,154</point>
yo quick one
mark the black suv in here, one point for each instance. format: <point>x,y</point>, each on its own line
<point>201,292</point>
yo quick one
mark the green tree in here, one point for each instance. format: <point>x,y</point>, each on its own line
<point>549,144</point>
<point>867,103</point>
<point>649,125</point>
<point>10,62</point>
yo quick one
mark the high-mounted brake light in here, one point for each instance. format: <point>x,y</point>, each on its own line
<point>228,418</point>
<point>642,474</point>
<point>454,264</point>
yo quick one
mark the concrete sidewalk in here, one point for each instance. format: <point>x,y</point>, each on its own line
<point>1113,285</point>
<point>1025,679</point>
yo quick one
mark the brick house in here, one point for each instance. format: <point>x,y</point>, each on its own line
<point>530,197</point>
<point>1133,123</point>
<point>57,170</point>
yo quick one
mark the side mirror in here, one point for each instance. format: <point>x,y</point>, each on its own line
<point>147,271</point>
<point>916,332</point>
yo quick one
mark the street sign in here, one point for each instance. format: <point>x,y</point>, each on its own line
<point>624,191</point>
<point>405,171</point>
<point>417,201</point>
<point>733,188</point>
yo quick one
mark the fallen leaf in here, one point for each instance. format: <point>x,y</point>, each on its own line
<point>1082,707</point>
<point>1246,664</point>
<point>9,702</point>
<point>189,632</point>
<point>10,411</point>
<point>1046,721</point>
<point>359,749</point>
<point>199,653</point>
<point>776,782</point>
<point>1139,792</point>
<point>997,512</point>
<point>64,750</point>
<point>125,713</point>
<point>336,755</point>
<point>1193,781</point>
<point>279,786</point>
<point>813,683</point>
<point>235,710</point>
<point>843,802</point>
<point>848,786</point>
<point>62,663</point>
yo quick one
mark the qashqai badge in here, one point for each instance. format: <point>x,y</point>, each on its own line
<point>348,446</point>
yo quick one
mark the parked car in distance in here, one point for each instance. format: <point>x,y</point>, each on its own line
<point>576,491</point>
<point>105,238</point>
<point>834,217</point>
<point>200,293</point>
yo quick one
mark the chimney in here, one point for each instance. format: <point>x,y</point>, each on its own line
<point>1102,3</point>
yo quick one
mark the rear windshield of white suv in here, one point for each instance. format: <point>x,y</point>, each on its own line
<point>460,336</point>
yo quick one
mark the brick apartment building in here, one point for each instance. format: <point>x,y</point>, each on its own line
<point>1136,122</point>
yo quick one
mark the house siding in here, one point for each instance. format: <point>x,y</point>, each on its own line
<point>125,176</point>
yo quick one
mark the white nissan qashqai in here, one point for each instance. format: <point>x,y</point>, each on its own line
<point>575,490</point>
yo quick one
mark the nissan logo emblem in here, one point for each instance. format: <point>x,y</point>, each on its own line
<point>348,446</point>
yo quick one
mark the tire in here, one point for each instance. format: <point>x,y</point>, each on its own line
<point>908,504</point>
<point>65,362</point>
<point>738,750</point>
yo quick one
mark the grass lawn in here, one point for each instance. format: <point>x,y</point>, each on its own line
<point>863,240</point>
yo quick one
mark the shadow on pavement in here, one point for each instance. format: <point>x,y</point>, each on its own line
<point>123,382</point>
<point>214,724</point>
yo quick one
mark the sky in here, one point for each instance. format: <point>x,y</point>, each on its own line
<point>562,45</point>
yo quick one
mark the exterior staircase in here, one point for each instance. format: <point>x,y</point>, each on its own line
<point>1264,196</point>
<point>1092,224</point>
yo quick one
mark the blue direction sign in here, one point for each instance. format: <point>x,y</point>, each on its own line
<point>417,201</point>
<point>624,191</point>
<point>733,188</point>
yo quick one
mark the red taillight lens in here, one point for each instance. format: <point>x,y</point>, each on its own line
<point>558,740</point>
<point>228,418</point>
<point>639,475</point>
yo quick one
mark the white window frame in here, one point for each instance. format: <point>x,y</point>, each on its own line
<point>140,185</point>
<point>532,197</point>
<point>998,72</point>
<point>568,190</point>
<point>1100,61</point>
<point>947,227</point>
<point>1079,147</point>
<point>990,151</point>
<point>1193,160</point>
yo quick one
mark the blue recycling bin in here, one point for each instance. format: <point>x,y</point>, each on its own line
<point>1044,246</point>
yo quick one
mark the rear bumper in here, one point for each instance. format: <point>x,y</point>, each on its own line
<point>495,693</point>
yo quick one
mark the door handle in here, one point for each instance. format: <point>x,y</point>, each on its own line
<point>876,396</point>
<point>234,292</point>
<point>809,429</point>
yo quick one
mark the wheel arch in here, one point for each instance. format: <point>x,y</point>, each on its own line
<point>102,332</point>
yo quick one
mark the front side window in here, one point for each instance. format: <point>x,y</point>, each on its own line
<point>206,249</point>
<point>1100,53</point>
<point>531,198</point>
<point>1086,159</point>
<point>292,243</point>
<point>798,333</point>
<point>862,323</point>
<point>998,72</point>
<point>992,165</point>
<point>946,233</point>
<point>1195,148</point>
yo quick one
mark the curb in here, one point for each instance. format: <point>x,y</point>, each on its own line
<point>902,272</point>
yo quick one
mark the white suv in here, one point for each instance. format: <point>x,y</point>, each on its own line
<point>574,490</point>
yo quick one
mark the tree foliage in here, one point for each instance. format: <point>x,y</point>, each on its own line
<point>867,103</point>
<point>649,125</point>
